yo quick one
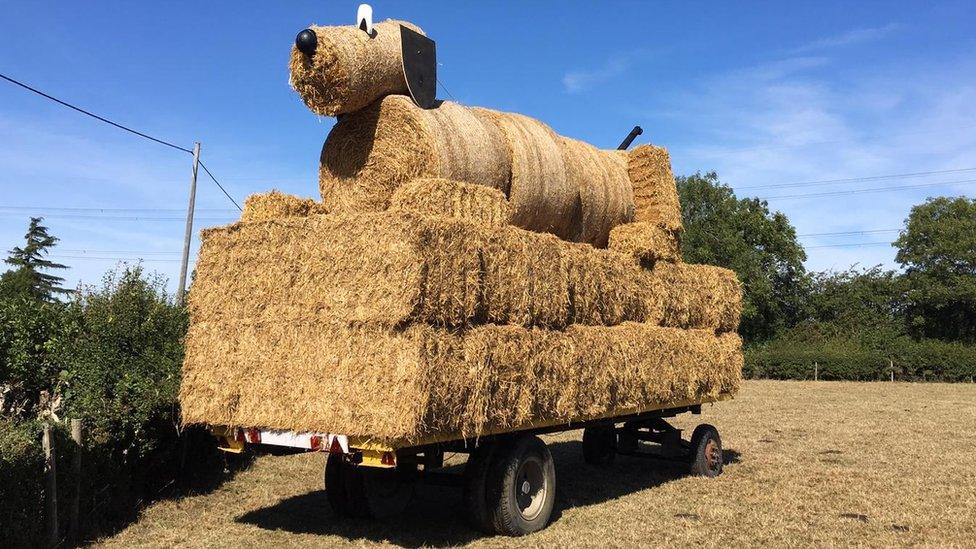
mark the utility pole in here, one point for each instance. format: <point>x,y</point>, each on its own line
<point>181,290</point>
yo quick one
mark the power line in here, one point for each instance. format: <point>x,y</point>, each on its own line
<point>854,179</point>
<point>111,210</point>
<point>93,115</point>
<point>121,127</point>
<point>121,217</point>
<point>850,245</point>
<point>136,252</point>
<point>870,190</point>
<point>844,233</point>
<point>93,258</point>
<point>204,166</point>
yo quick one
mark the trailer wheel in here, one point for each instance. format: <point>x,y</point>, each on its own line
<point>362,492</point>
<point>477,510</point>
<point>521,486</point>
<point>599,445</point>
<point>706,451</point>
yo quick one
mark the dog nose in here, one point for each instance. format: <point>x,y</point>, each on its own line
<point>306,42</point>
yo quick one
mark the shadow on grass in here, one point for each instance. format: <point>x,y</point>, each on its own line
<point>435,515</point>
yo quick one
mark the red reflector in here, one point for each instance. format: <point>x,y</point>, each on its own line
<point>389,458</point>
<point>335,448</point>
<point>315,442</point>
<point>254,435</point>
<point>239,435</point>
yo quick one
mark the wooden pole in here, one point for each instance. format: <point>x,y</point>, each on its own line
<point>816,371</point>
<point>891,368</point>
<point>51,472</point>
<point>188,233</point>
<point>73,526</point>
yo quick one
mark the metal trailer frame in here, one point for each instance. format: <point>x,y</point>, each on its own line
<point>357,465</point>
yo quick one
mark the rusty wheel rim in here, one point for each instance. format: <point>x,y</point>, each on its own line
<point>713,455</point>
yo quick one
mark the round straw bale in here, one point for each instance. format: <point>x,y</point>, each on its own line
<point>370,153</point>
<point>605,193</point>
<point>350,69</point>
<point>655,194</point>
<point>274,204</point>
<point>437,196</point>
<point>542,196</point>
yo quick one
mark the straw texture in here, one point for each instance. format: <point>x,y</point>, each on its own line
<point>655,193</point>
<point>349,69</point>
<point>648,242</point>
<point>443,197</point>
<point>404,385</point>
<point>274,204</point>
<point>604,189</point>
<point>698,296</point>
<point>372,152</point>
<point>394,268</point>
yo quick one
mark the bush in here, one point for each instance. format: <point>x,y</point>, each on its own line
<point>861,359</point>
<point>29,330</point>
<point>21,477</point>
<point>123,351</point>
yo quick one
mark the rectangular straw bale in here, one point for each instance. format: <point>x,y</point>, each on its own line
<point>698,296</point>
<point>360,268</point>
<point>404,385</point>
<point>274,204</point>
<point>648,242</point>
<point>444,197</point>
<point>655,193</point>
<point>396,267</point>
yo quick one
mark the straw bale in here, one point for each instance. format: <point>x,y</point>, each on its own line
<point>393,268</point>
<point>349,69</point>
<point>404,385</point>
<point>443,197</point>
<point>648,242</point>
<point>372,152</point>
<point>605,194</point>
<point>698,296</point>
<point>542,195</point>
<point>274,204</point>
<point>655,193</point>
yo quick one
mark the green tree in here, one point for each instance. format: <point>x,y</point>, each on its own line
<point>760,246</point>
<point>866,302</point>
<point>26,278</point>
<point>123,351</point>
<point>937,249</point>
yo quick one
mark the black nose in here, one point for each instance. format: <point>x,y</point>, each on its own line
<point>306,42</point>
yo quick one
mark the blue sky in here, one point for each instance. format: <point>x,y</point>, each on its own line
<point>765,93</point>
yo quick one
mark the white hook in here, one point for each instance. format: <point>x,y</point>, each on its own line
<point>364,18</point>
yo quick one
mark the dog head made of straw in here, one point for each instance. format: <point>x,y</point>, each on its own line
<point>341,69</point>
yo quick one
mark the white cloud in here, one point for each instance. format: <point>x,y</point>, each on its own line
<point>854,36</point>
<point>787,122</point>
<point>577,81</point>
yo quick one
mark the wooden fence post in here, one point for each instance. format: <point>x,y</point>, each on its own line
<point>51,472</point>
<point>73,526</point>
<point>891,368</point>
<point>816,371</point>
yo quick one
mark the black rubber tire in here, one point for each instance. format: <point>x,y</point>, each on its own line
<point>348,489</point>
<point>599,445</point>
<point>517,511</point>
<point>476,509</point>
<point>706,457</point>
<point>335,485</point>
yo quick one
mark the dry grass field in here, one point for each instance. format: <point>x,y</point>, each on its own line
<point>809,464</point>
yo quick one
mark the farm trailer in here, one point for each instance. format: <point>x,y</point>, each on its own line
<point>509,479</point>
